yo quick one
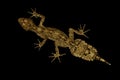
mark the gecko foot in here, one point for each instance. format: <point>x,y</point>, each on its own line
<point>34,13</point>
<point>82,30</point>
<point>38,45</point>
<point>56,55</point>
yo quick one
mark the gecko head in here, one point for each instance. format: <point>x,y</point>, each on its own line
<point>26,23</point>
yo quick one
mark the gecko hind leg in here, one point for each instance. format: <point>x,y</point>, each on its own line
<point>40,44</point>
<point>80,31</point>
<point>56,55</point>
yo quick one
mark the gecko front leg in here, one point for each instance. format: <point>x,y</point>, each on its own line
<point>36,15</point>
<point>40,44</point>
<point>56,55</point>
<point>80,31</point>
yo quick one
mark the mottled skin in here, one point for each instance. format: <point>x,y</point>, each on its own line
<point>78,47</point>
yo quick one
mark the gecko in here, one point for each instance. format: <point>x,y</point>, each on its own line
<point>78,47</point>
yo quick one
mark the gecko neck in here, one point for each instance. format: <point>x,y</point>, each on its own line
<point>37,29</point>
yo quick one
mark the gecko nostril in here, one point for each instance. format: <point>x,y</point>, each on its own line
<point>20,20</point>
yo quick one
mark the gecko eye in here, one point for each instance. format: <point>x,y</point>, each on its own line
<point>25,21</point>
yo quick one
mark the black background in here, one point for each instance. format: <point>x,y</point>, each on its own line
<point>62,15</point>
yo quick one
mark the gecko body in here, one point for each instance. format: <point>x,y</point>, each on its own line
<point>78,47</point>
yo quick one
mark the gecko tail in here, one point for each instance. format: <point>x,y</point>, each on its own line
<point>102,60</point>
